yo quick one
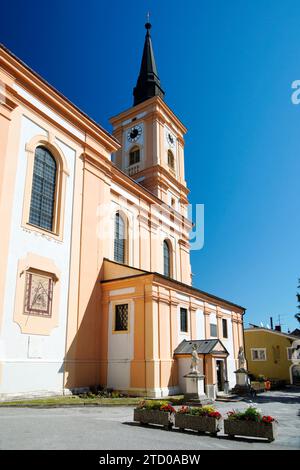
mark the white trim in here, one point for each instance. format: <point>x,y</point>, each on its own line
<point>287,352</point>
<point>127,290</point>
<point>258,349</point>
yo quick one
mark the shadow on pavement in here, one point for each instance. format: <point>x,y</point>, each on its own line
<point>195,433</point>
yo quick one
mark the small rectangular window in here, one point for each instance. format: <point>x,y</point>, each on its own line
<point>259,354</point>
<point>121,317</point>
<point>183,320</point>
<point>224,327</point>
<point>213,330</point>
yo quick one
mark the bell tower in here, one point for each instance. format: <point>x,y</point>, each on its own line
<point>152,137</point>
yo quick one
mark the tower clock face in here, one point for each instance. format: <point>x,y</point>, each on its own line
<point>134,133</point>
<point>171,139</point>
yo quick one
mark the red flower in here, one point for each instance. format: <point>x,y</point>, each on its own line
<point>183,409</point>
<point>215,414</point>
<point>167,408</point>
<point>268,419</point>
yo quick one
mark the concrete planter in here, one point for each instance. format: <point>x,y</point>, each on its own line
<point>237,427</point>
<point>162,418</point>
<point>197,423</point>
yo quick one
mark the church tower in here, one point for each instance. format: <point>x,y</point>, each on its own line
<point>152,137</point>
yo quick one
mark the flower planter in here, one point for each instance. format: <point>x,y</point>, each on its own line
<point>197,423</point>
<point>162,418</point>
<point>237,427</point>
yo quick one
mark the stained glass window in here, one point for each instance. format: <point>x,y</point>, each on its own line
<point>119,240</point>
<point>43,189</point>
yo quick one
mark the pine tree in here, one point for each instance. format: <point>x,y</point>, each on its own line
<point>297,316</point>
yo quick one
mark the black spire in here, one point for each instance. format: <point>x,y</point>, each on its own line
<point>148,83</point>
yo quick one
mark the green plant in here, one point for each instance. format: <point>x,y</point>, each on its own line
<point>250,414</point>
<point>152,404</point>
<point>261,378</point>
<point>200,411</point>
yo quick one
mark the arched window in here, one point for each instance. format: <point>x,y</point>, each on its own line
<point>134,156</point>
<point>43,189</point>
<point>167,259</point>
<point>171,160</point>
<point>119,239</point>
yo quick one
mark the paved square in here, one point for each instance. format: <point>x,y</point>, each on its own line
<point>112,428</point>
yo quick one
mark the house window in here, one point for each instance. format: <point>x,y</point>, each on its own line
<point>183,320</point>
<point>171,160</point>
<point>38,295</point>
<point>119,239</point>
<point>259,354</point>
<point>293,353</point>
<point>167,259</point>
<point>43,189</point>
<point>213,330</point>
<point>134,156</point>
<point>224,328</point>
<point>121,317</point>
<point>289,353</point>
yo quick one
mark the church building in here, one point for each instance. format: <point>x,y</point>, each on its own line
<point>95,277</point>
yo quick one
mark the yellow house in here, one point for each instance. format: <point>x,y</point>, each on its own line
<point>273,354</point>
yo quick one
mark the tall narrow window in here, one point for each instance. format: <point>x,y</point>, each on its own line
<point>43,189</point>
<point>134,156</point>
<point>171,160</point>
<point>183,320</point>
<point>167,259</point>
<point>119,239</point>
<point>213,330</point>
<point>224,327</point>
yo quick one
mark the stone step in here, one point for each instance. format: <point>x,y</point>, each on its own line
<point>229,398</point>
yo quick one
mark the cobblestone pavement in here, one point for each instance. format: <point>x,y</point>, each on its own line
<point>112,428</point>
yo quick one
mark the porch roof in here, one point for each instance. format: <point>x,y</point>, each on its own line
<point>204,346</point>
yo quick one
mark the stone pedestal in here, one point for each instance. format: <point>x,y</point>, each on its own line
<point>195,389</point>
<point>242,382</point>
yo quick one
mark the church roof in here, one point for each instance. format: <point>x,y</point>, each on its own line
<point>180,285</point>
<point>204,346</point>
<point>148,83</point>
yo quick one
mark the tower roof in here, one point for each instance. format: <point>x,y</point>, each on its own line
<point>148,83</point>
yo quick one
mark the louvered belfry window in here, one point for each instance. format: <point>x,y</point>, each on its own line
<point>119,240</point>
<point>167,260</point>
<point>134,156</point>
<point>121,318</point>
<point>43,189</point>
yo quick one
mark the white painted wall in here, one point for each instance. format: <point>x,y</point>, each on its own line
<point>200,327</point>
<point>120,349</point>
<point>33,364</point>
<point>228,343</point>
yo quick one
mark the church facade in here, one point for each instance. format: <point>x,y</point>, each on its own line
<point>95,279</point>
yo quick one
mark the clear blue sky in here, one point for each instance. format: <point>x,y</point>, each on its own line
<point>227,68</point>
